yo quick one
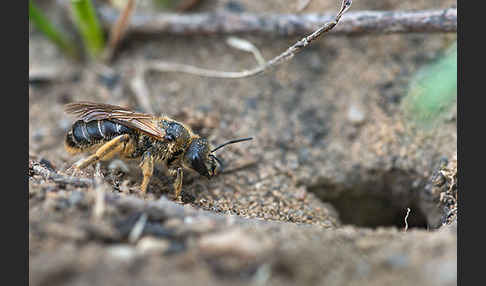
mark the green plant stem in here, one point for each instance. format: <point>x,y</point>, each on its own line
<point>88,26</point>
<point>45,26</point>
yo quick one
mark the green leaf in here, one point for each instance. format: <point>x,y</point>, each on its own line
<point>433,90</point>
<point>49,30</point>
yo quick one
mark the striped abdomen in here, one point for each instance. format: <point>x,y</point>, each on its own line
<point>87,134</point>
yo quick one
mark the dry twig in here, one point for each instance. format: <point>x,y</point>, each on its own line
<point>141,91</point>
<point>288,54</point>
<point>360,22</point>
<point>137,229</point>
<point>246,46</point>
<point>118,29</point>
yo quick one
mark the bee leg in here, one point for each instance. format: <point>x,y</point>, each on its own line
<point>178,180</point>
<point>147,166</point>
<point>108,149</point>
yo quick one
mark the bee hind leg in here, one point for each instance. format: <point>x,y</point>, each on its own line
<point>108,149</point>
<point>147,166</point>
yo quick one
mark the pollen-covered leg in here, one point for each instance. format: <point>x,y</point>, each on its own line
<point>106,151</point>
<point>178,180</point>
<point>147,166</point>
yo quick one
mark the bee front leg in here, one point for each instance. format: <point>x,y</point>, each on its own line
<point>178,180</point>
<point>147,166</point>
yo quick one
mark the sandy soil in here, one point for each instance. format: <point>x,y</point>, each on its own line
<point>319,196</point>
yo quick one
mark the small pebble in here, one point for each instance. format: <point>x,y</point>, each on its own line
<point>75,197</point>
<point>355,114</point>
<point>234,6</point>
<point>121,252</point>
<point>398,260</point>
<point>234,242</point>
<point>152,245</point>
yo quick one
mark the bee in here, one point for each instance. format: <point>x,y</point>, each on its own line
<point>107,130</point>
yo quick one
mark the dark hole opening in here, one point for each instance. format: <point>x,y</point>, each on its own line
<point>376,210</point>
<point>376,198</point>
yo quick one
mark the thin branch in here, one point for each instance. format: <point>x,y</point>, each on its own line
<point>288,54</point>
<point>137,229</point>
<point>246,46</point>
<point>140,89</point>
<point>118,29</point>
<point>360,22</point>
<point>142,93</point>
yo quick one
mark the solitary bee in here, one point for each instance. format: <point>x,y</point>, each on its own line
<point>109,130</point>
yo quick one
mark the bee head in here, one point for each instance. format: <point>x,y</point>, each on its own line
<point>199,157</point>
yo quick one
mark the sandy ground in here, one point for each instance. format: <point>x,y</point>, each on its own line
<point>318,197</point>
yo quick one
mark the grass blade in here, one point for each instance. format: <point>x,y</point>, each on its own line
<point>49,30</point>
<point>89,27</point>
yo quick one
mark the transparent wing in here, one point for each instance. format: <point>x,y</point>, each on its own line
<point>88,111</point>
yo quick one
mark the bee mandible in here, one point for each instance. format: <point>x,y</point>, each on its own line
<point>109,130</point>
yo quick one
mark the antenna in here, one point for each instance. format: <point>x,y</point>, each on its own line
<point>231,142</point>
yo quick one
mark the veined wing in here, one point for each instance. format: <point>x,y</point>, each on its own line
<point>88,111</point>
